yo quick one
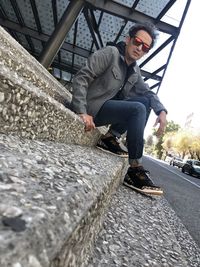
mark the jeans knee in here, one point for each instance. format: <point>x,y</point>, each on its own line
<point>140,107</point>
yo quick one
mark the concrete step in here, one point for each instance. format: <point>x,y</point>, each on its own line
<point>137,232</point>
<point>53,191</point>
<point>52,199</point>
<point>33,103</point>
<point>23,66</point>
<point>28,112</point>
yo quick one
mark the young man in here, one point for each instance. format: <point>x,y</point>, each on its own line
<point>109,90</point>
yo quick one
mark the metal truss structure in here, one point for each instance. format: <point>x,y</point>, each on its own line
<point>61,34</point>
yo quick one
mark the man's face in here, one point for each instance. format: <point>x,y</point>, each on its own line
<point>137,46</point>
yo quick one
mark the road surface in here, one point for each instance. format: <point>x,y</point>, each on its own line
<point>181,191</point>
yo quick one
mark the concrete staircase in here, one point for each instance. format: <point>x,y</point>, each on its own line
<point>56,187</point>
<point>54,184</point>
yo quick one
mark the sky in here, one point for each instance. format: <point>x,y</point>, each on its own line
<point>179,89</point>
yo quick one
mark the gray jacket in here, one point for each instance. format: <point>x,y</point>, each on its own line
<point>103,77</point>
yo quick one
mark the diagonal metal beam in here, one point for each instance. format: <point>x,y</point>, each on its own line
<point>4,16</point>
<point>21,22</point>
<point>165,9</point>
<point>122,11</point>
<point>54,10</point>
<point>58,37</point>
<point>120,31</point>
<point>98,24</point>
<point>74,41</point>
<point>2,12</point>
<point>134,5</point>
<point>149,75</point>
<point>36,16</point>
<point>15,36</point>
<point>154,75</point>
<point>93,27</point>
<point>170,39</point>
<point>55,19</point>
<point>174,43</point>
<point>17,12</point>
<point>156,85</point>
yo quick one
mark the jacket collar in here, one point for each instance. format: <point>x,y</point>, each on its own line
<point>121,47</point>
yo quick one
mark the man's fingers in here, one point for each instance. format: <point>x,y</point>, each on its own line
<point>88,121</point>
<point>160,131</point>
<point>89,125</point>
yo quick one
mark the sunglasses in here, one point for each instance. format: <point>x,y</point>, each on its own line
<point>137,41</point>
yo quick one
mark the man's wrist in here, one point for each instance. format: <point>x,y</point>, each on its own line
<point>158,112</point>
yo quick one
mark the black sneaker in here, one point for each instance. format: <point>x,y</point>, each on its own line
<point>139,180</point>
<point>112,145</point>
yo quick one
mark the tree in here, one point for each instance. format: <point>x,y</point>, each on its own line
<point>182,142</point>
<point>159,148</point>
<point>149,141</point>
<point>194,148</point>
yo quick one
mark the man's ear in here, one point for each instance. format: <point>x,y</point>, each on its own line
<point>127,40</point>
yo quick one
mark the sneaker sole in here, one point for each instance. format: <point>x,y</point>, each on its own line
<point>110,152</point>
<point>146,190</point>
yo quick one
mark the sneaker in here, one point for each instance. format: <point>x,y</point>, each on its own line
<point>139,180</point>
<point>112,145</point>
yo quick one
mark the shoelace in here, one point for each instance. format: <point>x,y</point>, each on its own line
<point>142,173</point>
<point>114,140</point>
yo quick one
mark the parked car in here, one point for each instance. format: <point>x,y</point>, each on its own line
<point>175,161</point>
<point>192,167</point>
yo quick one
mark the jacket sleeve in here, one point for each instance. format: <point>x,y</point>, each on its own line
<point>155,102</point>
<point>142,88</point>
<point>95,65</point>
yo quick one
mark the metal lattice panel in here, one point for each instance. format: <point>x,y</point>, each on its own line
<point>127,3</point>
<point>151,8</point>
<point>83,38</point>
<point>61,6</point>
<point>80,61</point>
<point>108,33</point>
<point>27,13</point>
<point>174,15</point>
<point>37,45</point>
<point>44,9</point>
<point>9,10</point>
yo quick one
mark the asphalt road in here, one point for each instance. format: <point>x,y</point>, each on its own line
<point>181,191</point>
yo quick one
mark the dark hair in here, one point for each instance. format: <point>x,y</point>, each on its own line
<point>147,27</point>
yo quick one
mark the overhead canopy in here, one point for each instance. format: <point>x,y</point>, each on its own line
<point>61,34</point>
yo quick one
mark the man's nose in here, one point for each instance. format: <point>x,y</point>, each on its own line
<point>139,47</point>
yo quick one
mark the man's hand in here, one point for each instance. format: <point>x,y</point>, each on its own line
<point>88,121</point>
<point>161,119</point>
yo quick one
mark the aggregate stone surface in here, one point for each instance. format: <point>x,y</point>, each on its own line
<point>25,66</point>
<point>29,112</point>
<point>136,233</point>
<point>187,244</point>
<point>32,102</point>
<point>47,189</point>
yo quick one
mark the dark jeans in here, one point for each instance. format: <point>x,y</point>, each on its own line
<point>126,115</point>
